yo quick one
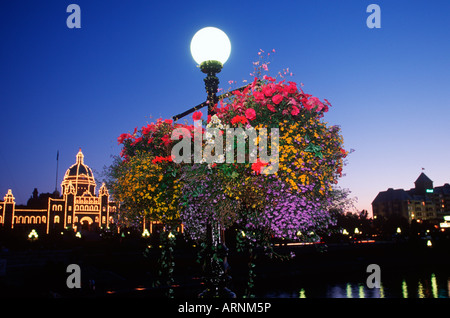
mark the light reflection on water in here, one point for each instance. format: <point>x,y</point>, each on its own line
<point>426,286</point>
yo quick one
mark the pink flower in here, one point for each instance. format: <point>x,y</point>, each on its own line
<point>295,111</point>
<point>254,83</point>
<point>250,114</point>
<point>291,88</point>
<point>258,96</point>
<point>293,101</point>
<point>264,66</point>
<point>268,90</point>
<point>277,99</point>
<point>268,78</point>
<point>315,102</point>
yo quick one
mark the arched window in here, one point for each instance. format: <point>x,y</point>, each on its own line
<point>56,219</point>
<point>69,219</point>
<point>32,220</point>
<point>38,220</point>
<point>59,207</point>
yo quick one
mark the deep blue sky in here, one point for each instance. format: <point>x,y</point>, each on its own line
<point>61,88</point>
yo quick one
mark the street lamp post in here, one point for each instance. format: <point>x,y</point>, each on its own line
<point>210,48</point>
<point>211,68</point>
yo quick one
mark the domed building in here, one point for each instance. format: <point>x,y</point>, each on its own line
<point>81,177</point>
<point>79,207</point>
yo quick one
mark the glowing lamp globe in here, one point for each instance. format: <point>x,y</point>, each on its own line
<point>210,45</point>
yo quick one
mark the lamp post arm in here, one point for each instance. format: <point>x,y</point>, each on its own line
<point>199,106</point>
<point>189,111</point>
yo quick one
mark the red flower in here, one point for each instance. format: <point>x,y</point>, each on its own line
<point>295,111</point>
<point>136,141</point>
<point>168,121</point>
<point>239,119</point>
<point>122,138</point>
<point>148,129</point>
<point>256,166</point>
<point>250,114</point>
<point>277,99</point>
<point>197,115</point>
<point>161,159</point>
<point>271,108</point>
<point>166,140</point>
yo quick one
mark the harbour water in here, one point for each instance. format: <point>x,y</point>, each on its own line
<point>426,284</point>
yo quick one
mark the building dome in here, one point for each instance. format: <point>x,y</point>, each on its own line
<point>80,176</point>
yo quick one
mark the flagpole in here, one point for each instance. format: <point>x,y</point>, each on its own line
<point>57,161</point>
